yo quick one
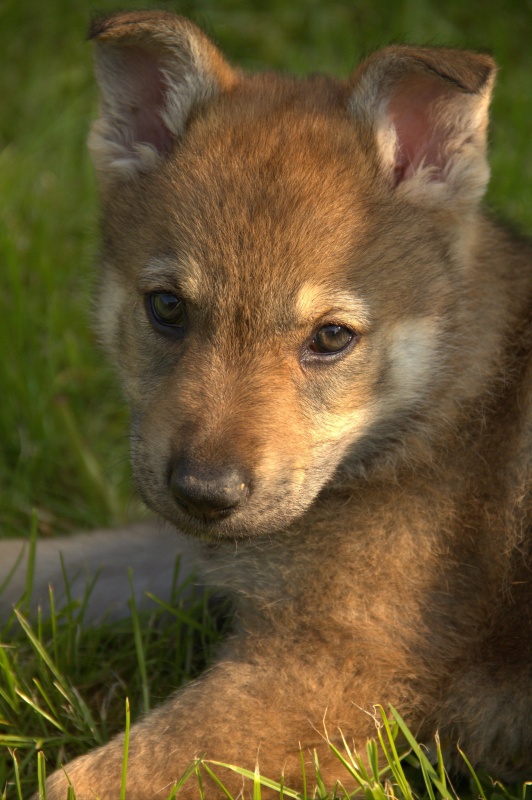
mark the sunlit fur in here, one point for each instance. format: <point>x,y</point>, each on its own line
<point>382,553</point>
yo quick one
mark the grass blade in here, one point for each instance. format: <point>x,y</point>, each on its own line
<point>126,753</point>
<point>473,775</point>
<point>139,646</point>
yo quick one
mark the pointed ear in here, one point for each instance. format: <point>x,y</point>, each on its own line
<point>152,68</point>
<point>427,109</point>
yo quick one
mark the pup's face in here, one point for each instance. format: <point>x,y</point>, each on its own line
<point>276,311</point>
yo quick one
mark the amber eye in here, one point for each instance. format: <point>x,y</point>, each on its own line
<point>167,310</point>
<point>331,339</point>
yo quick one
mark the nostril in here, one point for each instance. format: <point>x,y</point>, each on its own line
<point>208,493</point>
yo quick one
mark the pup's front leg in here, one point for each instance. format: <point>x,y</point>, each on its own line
<point>242,711</point>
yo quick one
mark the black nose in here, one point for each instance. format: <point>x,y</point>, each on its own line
<point>209,493</point>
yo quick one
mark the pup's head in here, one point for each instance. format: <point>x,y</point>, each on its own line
<point>282,262</point>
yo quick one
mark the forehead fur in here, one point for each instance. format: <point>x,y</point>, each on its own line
<point>272,169</point>
<point>272,189</point>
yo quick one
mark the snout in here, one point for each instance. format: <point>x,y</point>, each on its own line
<point>207,492</point>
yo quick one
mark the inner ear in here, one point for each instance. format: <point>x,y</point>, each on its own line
<point>417,111</point>
<point>427,111</point>
<point>144,102</point>
<point>153,68</point>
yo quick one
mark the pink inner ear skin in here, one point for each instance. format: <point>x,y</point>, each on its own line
<point>421,125</point>
<point>146,99</point>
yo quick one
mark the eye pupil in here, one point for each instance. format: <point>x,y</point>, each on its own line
<point>331,339</point>
<point>167,308</point>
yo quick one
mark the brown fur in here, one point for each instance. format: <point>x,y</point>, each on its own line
<point>380,549</point>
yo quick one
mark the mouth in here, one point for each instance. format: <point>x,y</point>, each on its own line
<point>222,524</point>
<point>227,524</point>
<point>209,527</point>
<point>206,516</point>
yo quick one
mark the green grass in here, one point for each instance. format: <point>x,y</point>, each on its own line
<point>63,426</point>
<point>73,687</point>
<point>63,685</point>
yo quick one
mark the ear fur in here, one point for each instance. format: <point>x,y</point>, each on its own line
<point>427,109</point>
<point>152,68</point>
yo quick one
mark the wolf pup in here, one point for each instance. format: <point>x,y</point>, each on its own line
<point>325,344</point>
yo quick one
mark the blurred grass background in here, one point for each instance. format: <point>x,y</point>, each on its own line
<point>63,428</point>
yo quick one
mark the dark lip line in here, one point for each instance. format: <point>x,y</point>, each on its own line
<point>211,531</point>
<point>197,522</point>
<point>210,521</point>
